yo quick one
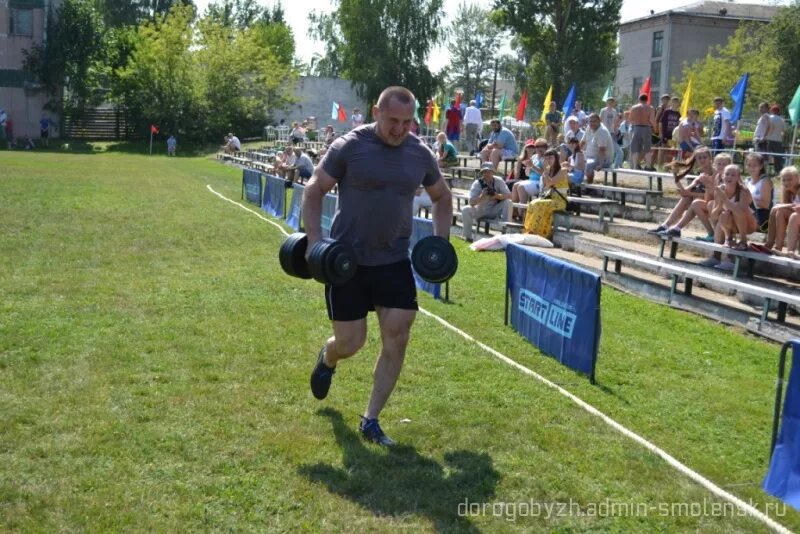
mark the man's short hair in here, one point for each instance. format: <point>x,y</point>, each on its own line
<point>594,116</point>
<point>472,103</point>
<point>642,97</point>
<point>611,98</point>
<point>494,121</point>
<point>695,111</point>
<point>401,94</point>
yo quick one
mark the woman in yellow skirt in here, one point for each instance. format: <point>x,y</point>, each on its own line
<point>555,187</point>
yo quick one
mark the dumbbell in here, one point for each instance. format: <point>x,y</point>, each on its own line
<point>434,259</point>
<point>330,261</point>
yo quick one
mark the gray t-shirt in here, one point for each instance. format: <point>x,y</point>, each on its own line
<point>377,183</point>
<point>477,186</point>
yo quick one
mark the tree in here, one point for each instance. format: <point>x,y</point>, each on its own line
<point>238,13</point>
<point>474,42</point>
<point>381,43</point>
<point>566,41</point>
<point>72,57</point>
<point>785,39</point>
<point>119,13</point>
<point>748,50</point>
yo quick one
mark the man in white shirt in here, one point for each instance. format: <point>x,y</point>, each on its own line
<point>472,126</point>
<point>233,145</point>
<point>762,128</point>
<point>599,146</point>
<point>775,136</point>
<point>609,114</point>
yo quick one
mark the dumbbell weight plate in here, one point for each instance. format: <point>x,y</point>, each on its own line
<point>292,256</point>
<point>434,259</point>
<point>332,262</point>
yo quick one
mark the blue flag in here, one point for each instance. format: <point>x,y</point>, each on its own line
<point>479,99</point>
<point>738,95</point>
<point>569,102</point>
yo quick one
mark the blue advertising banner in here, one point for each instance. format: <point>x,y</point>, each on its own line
<point>783,477</point>
<point>251,186</point>
<point>274,196</point>
<point>555,305</point>
<point>423,228</point>
<point>328,211</point>
<point>294,218</point>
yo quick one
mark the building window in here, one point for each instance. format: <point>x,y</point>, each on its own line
<point>637,85</point>
<point>655,73</point>
<point>658,43</point>
<point>21,22</point>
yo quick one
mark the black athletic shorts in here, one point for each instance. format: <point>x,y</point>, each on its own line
<point>388,286</point>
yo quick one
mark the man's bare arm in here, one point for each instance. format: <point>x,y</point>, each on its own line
<point>442,211</point>
<point>318,186</point>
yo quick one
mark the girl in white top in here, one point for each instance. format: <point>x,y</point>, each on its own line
<point>732,202</point>
<point>760,187</point>
<point>781,213</point>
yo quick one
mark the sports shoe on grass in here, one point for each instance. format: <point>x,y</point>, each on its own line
<point>658,230</point>
<point>371,431</point>
<point>725,266</point>
<point>321,376</point>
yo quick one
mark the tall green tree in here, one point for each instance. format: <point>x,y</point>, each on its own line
<point>566,41</point>
<point>785,37</point>
<point>474,42</point>
<point>72,58</point>
<point>119,13</point>
<point>748,50</point>
<point>382,43</point>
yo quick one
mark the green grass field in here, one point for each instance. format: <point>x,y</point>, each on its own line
<point>154,365</point>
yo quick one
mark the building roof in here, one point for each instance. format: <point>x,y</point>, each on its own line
<point>727,10</point>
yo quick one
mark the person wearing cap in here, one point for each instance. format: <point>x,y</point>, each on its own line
<point>775,137</point>
<point>489,198</point>
<point>472,126</point>
<point>721,125</point>
<point>501,144</point>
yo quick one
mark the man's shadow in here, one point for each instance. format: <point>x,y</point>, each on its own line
<point>400,481</point>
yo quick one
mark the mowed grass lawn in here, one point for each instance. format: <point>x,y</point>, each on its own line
<point>154,365</point>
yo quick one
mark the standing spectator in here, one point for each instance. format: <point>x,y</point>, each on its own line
<point>762,128</point>
<point>44,130</point>
<point>501,144</point>
<point>579,114</point>
<point>489,198</point>
<point>357,119</point>
<point>599,146</point>
<point>552,120</point>
<point>3,119</point>
<point>670,119</point>
<point>298,134</point>
<point>609,113</point>
<point>172,143</point>
<point>775,136</point>
<point>453,116</point>
<point>10,132</point>
<point>643,123</point>
<point>721,128</point>
<point>472,126</point>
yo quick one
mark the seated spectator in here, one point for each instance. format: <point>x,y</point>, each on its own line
<point>525,189</point>
<point>172,143</point>
<point>524,159</point>
<point>598,146</point>
<point>297,134</point>
<point>702,207</point>
<point>489,198</point>
<point>781,213</point>
<point>576,162</point>
<point>328,136</point>
<point>304,164</point>
<point>700,187</point>
<point>734,201</point>
<point>555,187</point>
<point>232,144</point>
<point>447,155</point>
<point>793,233</point>
<point>760,187</point>
<point>284,163</point>
<point>500,145</point>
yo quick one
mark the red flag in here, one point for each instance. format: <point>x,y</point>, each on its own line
<point>645,90</point>
<point>458,99</point>
<point>153,129</point>
<point>523,103</point>
<point>342,114</point>
<point>429,112</point>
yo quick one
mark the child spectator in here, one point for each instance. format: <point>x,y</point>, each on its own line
<point>781,213</point>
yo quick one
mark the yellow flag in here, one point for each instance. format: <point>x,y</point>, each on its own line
<point>546,105</point>
<point>687,95</point>
<point>436,113</point>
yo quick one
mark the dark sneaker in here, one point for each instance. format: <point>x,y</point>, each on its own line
<point>673,232</point>
<point>650,169</point>
<point>371,431</point>
<point>321,377</point>
<point>658,230</point>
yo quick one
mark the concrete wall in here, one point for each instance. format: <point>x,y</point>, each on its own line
<point>692,37</point>
<point>316,96</point>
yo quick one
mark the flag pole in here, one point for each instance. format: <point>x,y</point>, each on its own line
<point>151,140</point>
<point>794,138</point>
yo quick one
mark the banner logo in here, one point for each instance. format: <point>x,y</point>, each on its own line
<point>553,316</point>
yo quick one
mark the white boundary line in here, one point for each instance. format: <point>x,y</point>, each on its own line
<point>668,458</point>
